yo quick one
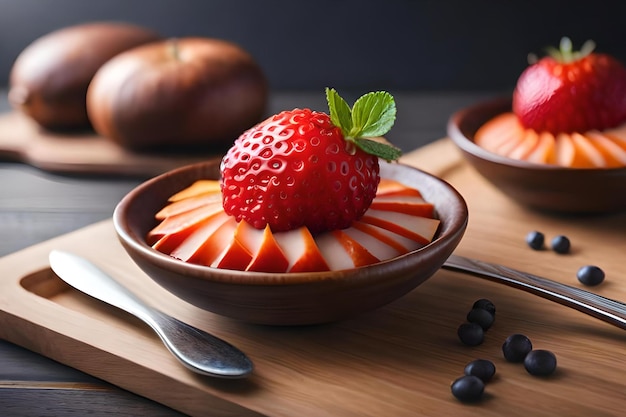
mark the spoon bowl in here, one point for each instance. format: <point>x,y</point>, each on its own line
<point>199,351</point>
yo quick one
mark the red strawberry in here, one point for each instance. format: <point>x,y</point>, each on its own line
<point>572,91</point>
<point>306,168</point>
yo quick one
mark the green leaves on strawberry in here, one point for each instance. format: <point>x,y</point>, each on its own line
<point>306,168</point>
<point>372,116</point>
<point>571,91</point>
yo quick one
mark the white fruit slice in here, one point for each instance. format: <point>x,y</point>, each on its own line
<point>269,257</point>
<point>614,154</point>
<point>197,188</point>
<point>190,247</point>
<point>544,152</point>
<point>182,221</point>
<point>387,187</point>
<point>408,204</point>
<point>501,134</point>
<point>234,256</point>
<point>376,247</point>
<point>334,252</point>
<point>525,146</point>
<point>587,150</point>
<point>400,243</point>
<point>250,237</point>
<point>301,251</point>
<point>419,229</point>
<point>188,204</point>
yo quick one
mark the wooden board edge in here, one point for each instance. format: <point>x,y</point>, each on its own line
<point>28,321</point>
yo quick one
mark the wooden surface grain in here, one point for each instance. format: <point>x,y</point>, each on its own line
<point>398,360</point>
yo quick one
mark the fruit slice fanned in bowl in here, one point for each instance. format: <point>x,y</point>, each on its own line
<point>194,228</point>
<point>302,222</point>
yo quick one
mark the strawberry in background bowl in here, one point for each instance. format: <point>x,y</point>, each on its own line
<point>559,143</point>
<point>303,221</point>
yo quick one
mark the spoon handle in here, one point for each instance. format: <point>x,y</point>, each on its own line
<point>199,351</point>
<point>605,309</point>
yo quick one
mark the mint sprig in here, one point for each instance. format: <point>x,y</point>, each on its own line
<point>371,116</point>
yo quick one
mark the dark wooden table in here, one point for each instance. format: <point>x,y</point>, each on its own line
<point>36,205</point>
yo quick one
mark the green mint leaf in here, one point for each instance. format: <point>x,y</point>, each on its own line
<point>385,151</point>
<point>340,113</point>
<point>373,114</point>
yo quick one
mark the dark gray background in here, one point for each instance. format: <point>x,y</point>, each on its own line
<point>350,44</point>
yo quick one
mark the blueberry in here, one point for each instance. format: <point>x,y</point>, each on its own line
<point>535,240</point>
<point>560,244</point>
<point>468,388</point>
<point>540,362</point>
<point>471,334</point>
<point>485,304</point>
<point>590,275</point>
<point>516,347</point>
<point>481,317</point>
<point>482,368</point>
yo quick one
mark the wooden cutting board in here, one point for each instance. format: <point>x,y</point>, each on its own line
<point>397,361</point>
<point>81,153</point>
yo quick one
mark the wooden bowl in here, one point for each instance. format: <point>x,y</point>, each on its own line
<point>544,187</point>
<point>287,298</point>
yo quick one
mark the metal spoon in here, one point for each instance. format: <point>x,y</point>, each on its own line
<point>605,309</point>
<point>197,350</point>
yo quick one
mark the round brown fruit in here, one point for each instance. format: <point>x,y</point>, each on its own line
<point>178,94</point>
<point>49,78</point>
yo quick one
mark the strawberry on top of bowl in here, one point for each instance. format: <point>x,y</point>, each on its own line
<point>568,109</point>
<point>324,276</point>
<point>301,192</point>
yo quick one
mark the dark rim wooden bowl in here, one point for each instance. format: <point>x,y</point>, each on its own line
<point>288,298</point>
<point>543,187</point>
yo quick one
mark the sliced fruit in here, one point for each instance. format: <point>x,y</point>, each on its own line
<point>524,147</point>
<point>195,228</point>
<point>188,204</point>
<point>593,149</point>
<point>618,135</point>
<point>565,150</point>
<point>213,245</point>
<point>301,251</point>
<point>269,257</point>
<point>585,146</point>
<point>358,253</point>
<point>544,152</point>
<point>408,204</point>
<point>614,155</point>
<point>333,252</point>
<point>419,229</point>
<point>201,233</point>
<point>197,188</point>
<point>389,187</point>
<point>234,256</point>
<point>573,151</point>
<point>251,238</point>
<point>182,221</point>
<point>500,134</point>
<point>167,243</point>
<point>376,247</point>
<point>400,243</point>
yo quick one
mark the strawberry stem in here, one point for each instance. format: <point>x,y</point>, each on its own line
<point>371,117</point>
<point>566,53</point>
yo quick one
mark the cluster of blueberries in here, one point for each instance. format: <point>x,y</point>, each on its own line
<point>587,275</point>
<point>516,348</point>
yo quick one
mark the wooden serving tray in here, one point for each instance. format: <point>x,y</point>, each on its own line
<point>397,361</point>
<point>81,153</point>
